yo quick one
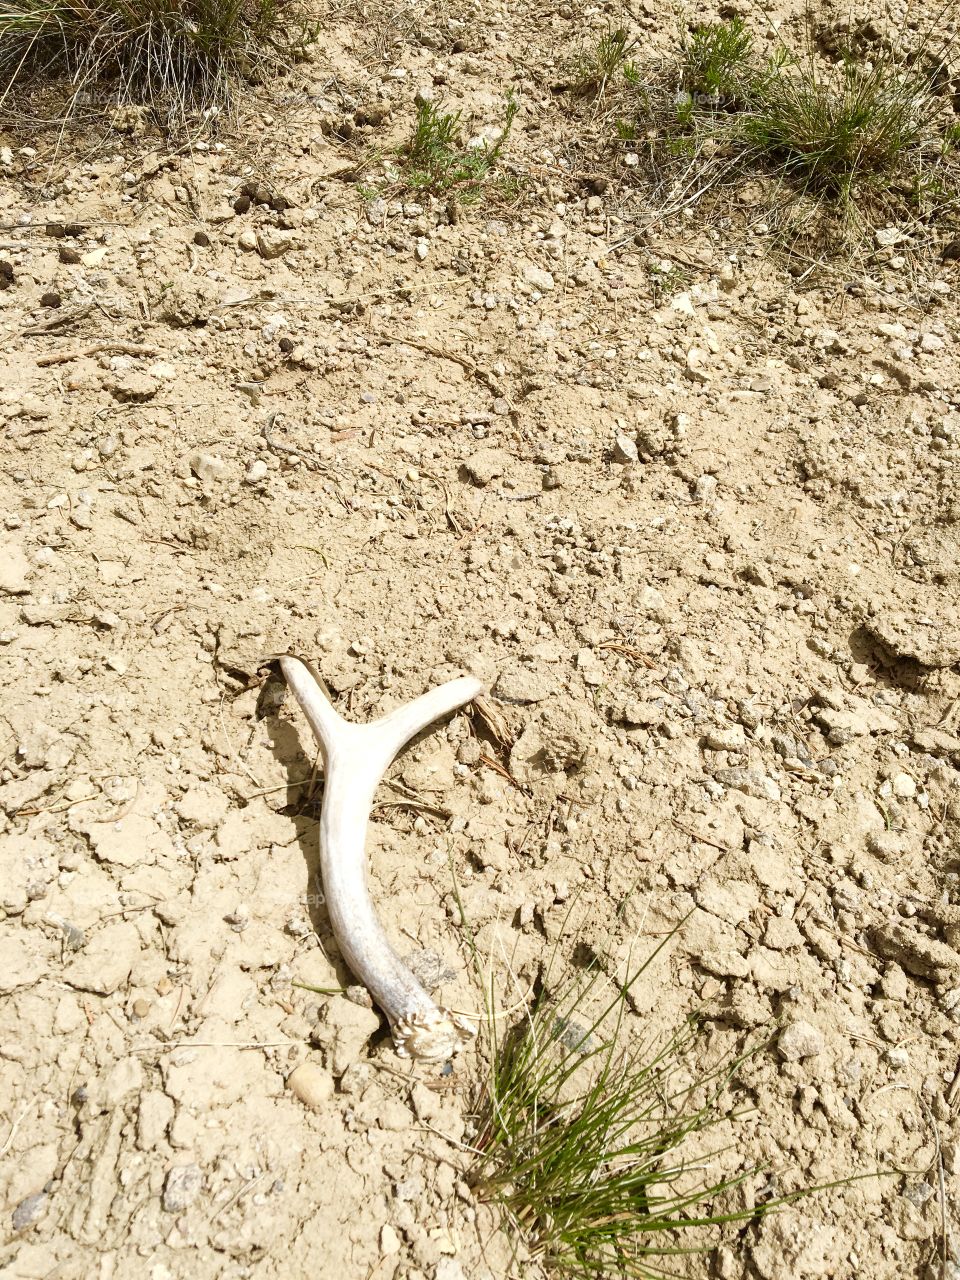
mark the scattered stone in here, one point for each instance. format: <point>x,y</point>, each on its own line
<point>752,782</point>
<point>782,934</point>
<point>625,449</point>
<point>729,739</point>
<point>50,299</point>
<point>207,467</point>
<point>523,684</point>
<point>904,787</point>
<point>257,472</point>
<point>915,952</point>
<point>181,1188</point>
<point>389,1241</point>
<point>800,1040</point>
<point>247,240</point>
<point>273,244</point>
<point>485,465</point>
<point>696,366</point>
<point>15,569</point>
<point>133,387</point>
<point>312,1085</point>
<point>539,278</point>
<point>29,1210</point>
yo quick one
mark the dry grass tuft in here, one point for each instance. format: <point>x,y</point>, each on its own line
<point>174,57</point>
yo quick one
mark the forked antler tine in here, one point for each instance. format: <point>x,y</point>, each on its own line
<point>355,759</point>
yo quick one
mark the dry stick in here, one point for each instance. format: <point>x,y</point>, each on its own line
<point>120,348</point>
<point>355,758</point>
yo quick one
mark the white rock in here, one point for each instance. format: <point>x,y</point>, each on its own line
<point>15,569</point>
<point>652,602</point>
<point>389,1240</point>
<point>207,467</point>
<point>800,1040</point>
<point>731,739</point>
<point>272,244</point>
<point>904,786</point>
<point>182,1187</point>
<point>682,303</point>
<point>625,449</point>
<point>539,278</point>
<point>696,365</point>
<point>257,471</point>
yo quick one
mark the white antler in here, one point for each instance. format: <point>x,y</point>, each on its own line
<point>355,758</point>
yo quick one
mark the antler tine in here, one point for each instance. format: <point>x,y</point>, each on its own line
<point>355,759</point>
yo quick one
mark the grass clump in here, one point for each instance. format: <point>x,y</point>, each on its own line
<point>839,145</point>
<point>598,67</point>
<point>436,160</point>
<point>840,132</point>
<point>719,64</point>
<point>585,1142</point>
<point>170,54</point>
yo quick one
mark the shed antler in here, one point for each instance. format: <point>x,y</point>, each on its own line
<point>355,758</point>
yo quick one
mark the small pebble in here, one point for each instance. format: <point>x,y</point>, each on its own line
<point>311,1084</point>
<point>904,786</point>
<point>29,1210</point>
<point>182,1187</point>
<point>800,1040</point>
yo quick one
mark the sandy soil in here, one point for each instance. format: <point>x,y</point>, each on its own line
<point>695,524</point>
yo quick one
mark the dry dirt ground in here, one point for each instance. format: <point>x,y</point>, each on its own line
<point>694,522</point>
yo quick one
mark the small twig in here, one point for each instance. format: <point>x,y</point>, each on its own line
<point>504,773</point>
<point>695,835</point>
<point>98,348</point>
<point>59,320</point>
<point>940,1183</point>
<point>442,353</point>
<point>212,1044</point>
<point>16,1125</point>
<point>241,1191</point>
<point>629,651</point>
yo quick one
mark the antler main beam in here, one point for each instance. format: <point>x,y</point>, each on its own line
<point>355,758</point>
